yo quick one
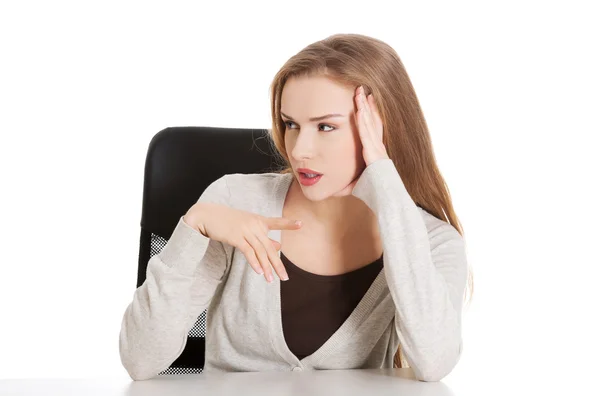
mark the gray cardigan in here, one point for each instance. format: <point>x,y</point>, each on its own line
<point>415,301</point>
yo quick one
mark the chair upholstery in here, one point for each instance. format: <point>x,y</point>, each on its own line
<point>180,163</point>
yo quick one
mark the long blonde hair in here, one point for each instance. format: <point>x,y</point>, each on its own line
<point>355,59</point>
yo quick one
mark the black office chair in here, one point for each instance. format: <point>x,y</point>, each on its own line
<point>181,162</point>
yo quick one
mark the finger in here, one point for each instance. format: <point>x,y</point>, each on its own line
<point>281,223</point>
<point>261,253</point>
<point>248,251</point>
<point>276,244</point>
<point>377,121</point>
<point>366,116</point>
<point>274,257</point>
<point>361,119</point>
<point>363,130</point>
<point>360,105</point>
<point>373,106</point>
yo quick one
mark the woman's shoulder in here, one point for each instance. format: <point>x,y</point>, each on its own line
<point>253,188</point>
<point>253,180</point>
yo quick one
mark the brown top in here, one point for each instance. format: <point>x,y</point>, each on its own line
<point>314,306</point>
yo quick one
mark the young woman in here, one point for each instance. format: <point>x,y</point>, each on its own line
<point>373,276</point>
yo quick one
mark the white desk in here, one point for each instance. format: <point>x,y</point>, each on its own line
<point>372,382</point>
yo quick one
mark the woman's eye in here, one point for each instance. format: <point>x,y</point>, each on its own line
<point>320,125</point>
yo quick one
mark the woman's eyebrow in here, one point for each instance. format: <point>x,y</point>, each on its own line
<point>316,118</point>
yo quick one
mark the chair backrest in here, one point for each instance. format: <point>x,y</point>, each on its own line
<point>181,162</point>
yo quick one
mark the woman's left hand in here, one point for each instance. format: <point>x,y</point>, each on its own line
<point>370,129</point>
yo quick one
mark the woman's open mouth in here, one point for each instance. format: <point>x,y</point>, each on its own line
<point>307,179</point>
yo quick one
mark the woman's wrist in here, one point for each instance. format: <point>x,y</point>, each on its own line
<point>192,219</point>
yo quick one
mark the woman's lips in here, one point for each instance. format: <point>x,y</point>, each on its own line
<point>309,171</point>
<point>309,181</point>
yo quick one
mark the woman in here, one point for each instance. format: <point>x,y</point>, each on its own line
<point>372,277</point>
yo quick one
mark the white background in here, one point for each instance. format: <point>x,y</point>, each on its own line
<point>510,91</point>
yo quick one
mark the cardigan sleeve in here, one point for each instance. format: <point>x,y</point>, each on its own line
<point>180,283</point>
<point>425,268</point>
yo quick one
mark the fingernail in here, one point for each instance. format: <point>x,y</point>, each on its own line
<point>270,278</point>
<point>285,278</point>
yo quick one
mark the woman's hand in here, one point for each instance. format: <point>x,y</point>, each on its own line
<point>370,129</point>
<point>244,230</point>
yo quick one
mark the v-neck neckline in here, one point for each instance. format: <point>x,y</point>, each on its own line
<point>345,332</point>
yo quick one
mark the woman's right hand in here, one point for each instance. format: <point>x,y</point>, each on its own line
<point>244,230</point>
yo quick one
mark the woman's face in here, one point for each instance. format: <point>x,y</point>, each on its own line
<point>329,146</point>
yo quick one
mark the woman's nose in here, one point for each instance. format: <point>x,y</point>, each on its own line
<point>303,148</point>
